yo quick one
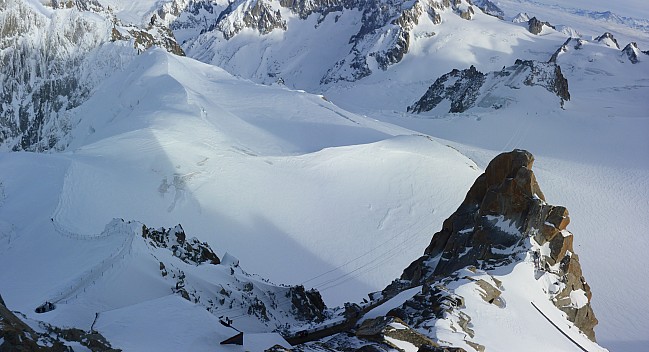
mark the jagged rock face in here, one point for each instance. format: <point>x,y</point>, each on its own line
<point>39,75</point>
<point>503,210</point>
<point>631,50</point>
<point>239,293</point>
<point>460,87</point>
<point>383,38</point>
<point>535,26</point>
<point>83,5</point>
<point>155,34</point>
<point>254,14</point>
<point>608,39</point>
<point>390,23</point>
<point>308,305</point>
<point>464,89</point>
<point>546,75</point>
<point>50,64</point>
<point>190,251</point>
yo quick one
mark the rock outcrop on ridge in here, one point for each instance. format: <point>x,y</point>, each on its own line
<point>535,26</point>
<point>468,88</point>
<point>191,251</point>
<point>608,39</point>
<point>502,218</point>
<point>632,52</point>
<point>271,304</point>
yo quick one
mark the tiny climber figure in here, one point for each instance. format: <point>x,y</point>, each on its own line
<point>537,260</point>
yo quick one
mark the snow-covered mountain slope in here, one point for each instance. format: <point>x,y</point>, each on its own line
<point>53,57</point>
<point>170,140</point>
<point>306,43</point>
<point>287,179</point>
<point>629,19</point>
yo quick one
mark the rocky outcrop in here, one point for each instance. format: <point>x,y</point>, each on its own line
<point>632,52</point>
<point>470,88</point>
<point>574,42</point>
<point>608,39</point>
<point>190,251</point>
<point>459,87</point>
<point>535,26</point>
<point>546,75</point>
<point>503,214</point>
<point>307,305</point>
<point>83,5</point>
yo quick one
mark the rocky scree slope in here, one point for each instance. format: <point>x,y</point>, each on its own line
<point>503,216</point>
<point>53,57</point>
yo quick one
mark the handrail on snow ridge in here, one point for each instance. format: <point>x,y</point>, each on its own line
<point>558,328</point>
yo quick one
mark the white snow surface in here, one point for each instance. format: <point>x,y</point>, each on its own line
<point>518,326</point>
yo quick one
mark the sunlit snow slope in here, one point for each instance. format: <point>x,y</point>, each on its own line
<point>291,184</point>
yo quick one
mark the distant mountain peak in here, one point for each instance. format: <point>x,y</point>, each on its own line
<point>608,39</point>
<point>468,88</point>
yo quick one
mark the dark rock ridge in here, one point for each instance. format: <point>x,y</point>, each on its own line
<point>307,304</point>
<point>470,88</point>
<point>241,292</point>
<point>632,52</point>
<point>577,44</point>
<point>461,88</point>
<point>191,251</point>
<point>535,26</point>
<point>502,216</point>
<point>608,39</point>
